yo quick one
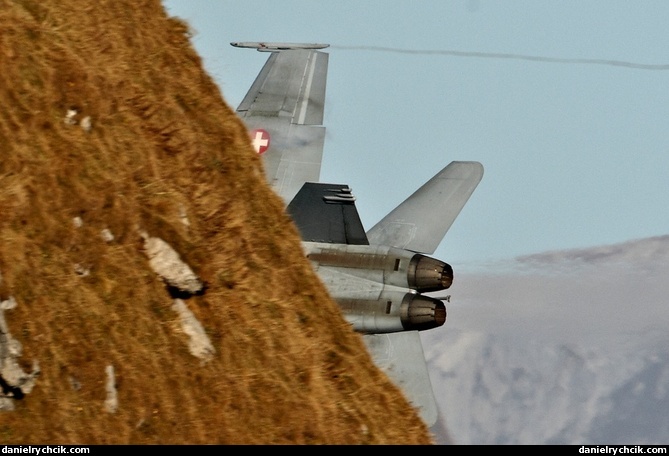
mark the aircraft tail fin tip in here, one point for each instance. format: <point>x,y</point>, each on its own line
<point>264,46</point>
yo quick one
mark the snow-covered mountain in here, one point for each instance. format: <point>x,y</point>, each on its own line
<point>496,390</point>
<point>567,347</point>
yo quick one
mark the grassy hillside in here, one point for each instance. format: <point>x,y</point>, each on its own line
<point>110,130</point>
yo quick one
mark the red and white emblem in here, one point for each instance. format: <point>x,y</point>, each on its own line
<point>260,140</point>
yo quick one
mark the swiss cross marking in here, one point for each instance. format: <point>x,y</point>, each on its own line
<point>260,139</point>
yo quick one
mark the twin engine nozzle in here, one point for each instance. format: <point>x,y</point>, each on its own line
<point>389,265</point>
<point>379,288</point>
<point>427,274</point>
<point>422,312</point>
<point>394,311</point>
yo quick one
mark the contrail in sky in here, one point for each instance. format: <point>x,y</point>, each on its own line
<point>496,55</point>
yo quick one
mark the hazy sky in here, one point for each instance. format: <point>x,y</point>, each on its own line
<point>610,298</point>
<point>566,105</point>
<point>575,144</point>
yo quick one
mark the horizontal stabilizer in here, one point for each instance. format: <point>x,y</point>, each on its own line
<point>264,46</point>
<point>400,355</point>
<point>420,223</point>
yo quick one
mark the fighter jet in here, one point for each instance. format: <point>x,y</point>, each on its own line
<point>377,276</point>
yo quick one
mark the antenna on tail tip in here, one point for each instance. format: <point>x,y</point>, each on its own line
<point>267,46</point>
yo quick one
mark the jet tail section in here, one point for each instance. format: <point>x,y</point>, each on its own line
<point>422,220</point>
<point>377,276</point>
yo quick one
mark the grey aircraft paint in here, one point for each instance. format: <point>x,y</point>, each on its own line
<point>377,277</point>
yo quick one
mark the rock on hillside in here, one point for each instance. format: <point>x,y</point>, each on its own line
<point>116,148</point>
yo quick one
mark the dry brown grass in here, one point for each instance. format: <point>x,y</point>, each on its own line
<point>287,368</point>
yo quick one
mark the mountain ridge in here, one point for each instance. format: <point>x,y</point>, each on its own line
<point>116,135</point>
<point>495,390</point>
